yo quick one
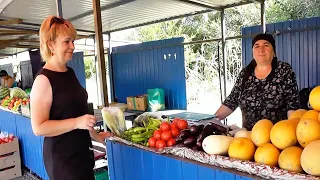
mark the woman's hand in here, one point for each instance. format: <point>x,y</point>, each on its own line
<point>85,122</point>
<point>105,134</point>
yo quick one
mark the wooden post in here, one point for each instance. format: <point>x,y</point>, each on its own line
<point>100,52</point>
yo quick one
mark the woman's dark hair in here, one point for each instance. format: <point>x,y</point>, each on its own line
<point>250,69</point>
<point>3,73</point>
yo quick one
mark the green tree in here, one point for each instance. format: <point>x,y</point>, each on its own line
<point>89,65</point>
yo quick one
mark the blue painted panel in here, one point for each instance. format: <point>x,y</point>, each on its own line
<point>29,144</point>
<point>139,67</point>
<point>32,146</point>
<point>111,166</point>
<point>8,122</point>
<point>300,49</point>
<point>133,163</point>
<point>77,64</point>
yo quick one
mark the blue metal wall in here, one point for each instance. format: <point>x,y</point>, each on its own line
<point>158,64</point>
<point>300,49</point>
<point>29,144</point>
<point>77,64</point>
<point>128,163</point>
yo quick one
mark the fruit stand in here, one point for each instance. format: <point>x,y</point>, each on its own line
<point>30,145</point>
<point>188,149</point>
<point>156,148</point>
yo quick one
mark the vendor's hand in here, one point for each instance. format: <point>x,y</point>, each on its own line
<point>86,122</point>
<point>105,134</point>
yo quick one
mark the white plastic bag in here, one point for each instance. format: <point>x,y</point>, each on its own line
<point>113,117</point>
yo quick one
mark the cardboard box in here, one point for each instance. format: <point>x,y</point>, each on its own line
<point>10,162</point>
<point>137,103</point>
<point>25,110</point>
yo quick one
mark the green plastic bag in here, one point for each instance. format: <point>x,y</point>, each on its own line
<point>156,100</point>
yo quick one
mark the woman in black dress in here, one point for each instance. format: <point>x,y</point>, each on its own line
<point>265,89</point>
<point>59,110</point>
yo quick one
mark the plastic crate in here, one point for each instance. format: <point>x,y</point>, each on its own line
<point>101,175</point>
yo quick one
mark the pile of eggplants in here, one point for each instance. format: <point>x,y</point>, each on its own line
<point>195,134</point>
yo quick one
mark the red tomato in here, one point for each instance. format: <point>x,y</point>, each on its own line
<point>174,125</point>
<point>171,142</point>
<point>175,132</point>
<point>152,142</point>
<point>161,144</point>
<point>166,135</point>
<point>5,140</point>
<point>157,134</point>
<point>165,126</point>
<point>182,124</point>
<point>175,120</point>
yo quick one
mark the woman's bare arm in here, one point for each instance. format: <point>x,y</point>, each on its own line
<point>41,100</point>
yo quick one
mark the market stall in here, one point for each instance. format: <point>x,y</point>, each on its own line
<point>157,148</point>
<point>30,145</point>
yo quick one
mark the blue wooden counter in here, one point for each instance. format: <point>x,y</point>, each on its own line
<point>132,163</point>
<point>30,145</point>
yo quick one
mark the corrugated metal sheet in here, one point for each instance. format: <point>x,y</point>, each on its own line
<point>34,11</point>
<point>77,64</point>
<point>133,14</point>
<point>300,49</point>
<point>128,162</point>
<point>116,14</point>
<point>26,74</point>
<point>8,68</point>
<point>140,67</point>
<point>31,153</point>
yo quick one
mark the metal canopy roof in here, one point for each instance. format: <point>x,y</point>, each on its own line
<point>116,15</point>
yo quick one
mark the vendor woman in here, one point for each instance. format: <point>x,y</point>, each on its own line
<point>265,89</point>
<point>6,80</point>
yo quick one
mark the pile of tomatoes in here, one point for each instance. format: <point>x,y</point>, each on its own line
<point>165,136</point>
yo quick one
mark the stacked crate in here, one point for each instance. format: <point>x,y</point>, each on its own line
<point>10,162</point>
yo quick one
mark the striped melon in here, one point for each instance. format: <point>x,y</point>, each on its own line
<point>4,92</point>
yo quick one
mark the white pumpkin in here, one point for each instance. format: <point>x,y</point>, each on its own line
<point>243,133</point>
<point>217,144</point>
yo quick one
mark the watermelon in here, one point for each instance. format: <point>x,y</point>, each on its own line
<point>17,93</point>
<point>4,92</point>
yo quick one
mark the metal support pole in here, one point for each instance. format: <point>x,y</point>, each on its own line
<point>100,52</point>
<point>110,68</point>
<point>263,16</point>
<point>224,59</point>
<point>223,42</point>
<point>59,8</point>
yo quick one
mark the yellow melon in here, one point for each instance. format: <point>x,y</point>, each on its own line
<point>283,134</point>
<point>310,158</point>
<point>243,133</point>
<point>260,133</point>
<point>295,121</point>
<point>267,154</point>
<point>297,114</point>
<point>241,148</point>
<point>311,114</point>
<point>289,159</point>
<point>314,98</point>
<point>307,131</point>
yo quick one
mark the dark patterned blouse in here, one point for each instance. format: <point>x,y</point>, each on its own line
<point>263,98</point>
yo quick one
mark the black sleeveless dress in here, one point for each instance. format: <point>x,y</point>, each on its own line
<point>68,156</point>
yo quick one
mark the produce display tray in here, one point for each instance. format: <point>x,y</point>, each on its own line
<point>191,116</point>
<point>261,170</point>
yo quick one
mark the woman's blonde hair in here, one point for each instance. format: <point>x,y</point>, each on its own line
<point>50,29</point>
